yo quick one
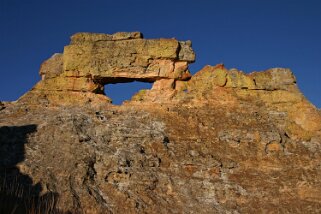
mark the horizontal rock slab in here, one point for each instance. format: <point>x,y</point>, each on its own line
<point>275,78</point>
<point>80,38</point>
<point>84,84</point>
<point>130,58</point>
<point>271,79</point>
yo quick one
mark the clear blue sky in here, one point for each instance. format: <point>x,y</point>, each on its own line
<point>245,34</point>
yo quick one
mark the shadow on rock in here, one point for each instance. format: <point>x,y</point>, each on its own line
<point>17,192</point>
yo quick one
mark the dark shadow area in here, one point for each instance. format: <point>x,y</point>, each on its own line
<point>17,192</point>
<point>2,106</point>
<point>119,92</point>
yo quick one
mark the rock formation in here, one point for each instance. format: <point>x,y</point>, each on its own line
<point>220,141</point>
<point>94,60</point>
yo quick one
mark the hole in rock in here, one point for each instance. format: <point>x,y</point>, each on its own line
<point>120,92</point>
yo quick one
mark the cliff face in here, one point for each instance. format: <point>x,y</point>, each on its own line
<point>219,141</point>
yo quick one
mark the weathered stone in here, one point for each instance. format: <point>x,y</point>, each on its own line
<point>85,84</point>
<point>273,79</point>
<point>52,67</point>
<point>180,69</point>
<point>279,96</point>
<point>164,84</point>
<point>106,58</point>
<point>63,98</point>
<point>95,37</point>
<point>308,117</point>
<point>186,52</point>
<point>208,77</point>
<point>94,59</point>
<point>181,85</point>
<point>237,79</point>
<point>221,141</point>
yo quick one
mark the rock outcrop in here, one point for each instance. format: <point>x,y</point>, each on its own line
<point>94,60</point>
<point>220,141</point>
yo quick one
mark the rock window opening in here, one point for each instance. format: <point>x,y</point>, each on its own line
<point>120,92</point>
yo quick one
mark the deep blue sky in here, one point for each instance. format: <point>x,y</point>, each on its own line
<point>245,34</point>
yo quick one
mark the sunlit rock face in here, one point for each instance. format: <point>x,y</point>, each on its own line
<point>220,141</point>
<point>127,55</point>
<point>93,60</point>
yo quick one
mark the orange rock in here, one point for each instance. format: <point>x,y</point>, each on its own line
<point>93,60</point>
<point>221,141</point>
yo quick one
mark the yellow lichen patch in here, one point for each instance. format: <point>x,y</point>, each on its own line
<point>161,48</point>
<point>237,79</point>
<point>139,96</point>
<point>68,84</point>
<point>219,76</point>
<point>279,96</point>
<point>306,116</point>
<point>208,77</point>
<point>274,78</point>
<point>295,131</point>
<point>63,98</point>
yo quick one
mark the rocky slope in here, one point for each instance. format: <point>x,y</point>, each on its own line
<point>220,141</point>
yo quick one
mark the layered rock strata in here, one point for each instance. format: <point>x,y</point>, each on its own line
<point>220,141</point>
<point>93,60</point>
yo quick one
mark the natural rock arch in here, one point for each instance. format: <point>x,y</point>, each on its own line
<point>93,60</point>
<point>121,93</point>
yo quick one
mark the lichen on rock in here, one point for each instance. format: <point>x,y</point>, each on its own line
<point>219,141</point>
<point>93,60</point>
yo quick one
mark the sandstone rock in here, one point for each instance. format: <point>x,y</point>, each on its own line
<point>164,84</point>
<point>221,141</point>
<point>35,98</point>
<point>85,84</point>
<point>237,79</point>
<point>92,60</point>
<point>275,78</point>
<point>209,77</point>
<point>186,52</point>
<point>308,117</point>
<point>81,38</point>
<point>52,67</point>
<point>107,58</point>
<point>181,85</point>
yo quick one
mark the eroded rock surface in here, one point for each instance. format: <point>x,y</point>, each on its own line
<point>93,60</point>
<point>220,141</point>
